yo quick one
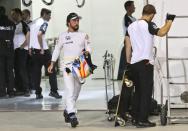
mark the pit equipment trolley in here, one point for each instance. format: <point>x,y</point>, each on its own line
<point>108,67</point>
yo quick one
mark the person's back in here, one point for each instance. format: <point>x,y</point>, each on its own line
<point>140,44</point>
<point>41,54</point>
<point>34,29</point>
<point>7,28</point>
<point>142,41</point>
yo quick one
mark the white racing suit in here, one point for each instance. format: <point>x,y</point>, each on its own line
<point>72,44</point>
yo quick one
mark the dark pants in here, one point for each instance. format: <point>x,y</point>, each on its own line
<point>143,80</point>
<point>21,75</point>
<point>29,66</point>
<point>122,64</point>
<point>125,104</point>
<point>6,70</point>
<point>38,61</point>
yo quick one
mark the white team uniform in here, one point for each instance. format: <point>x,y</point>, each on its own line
<point>142,44</point>
<point>19,37</point>
<point>72,44</point>
<point>35,27</point>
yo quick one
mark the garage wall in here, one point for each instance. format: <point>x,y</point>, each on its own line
<point>9,4</point>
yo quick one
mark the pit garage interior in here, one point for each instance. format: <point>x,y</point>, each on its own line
<point>102,20</point>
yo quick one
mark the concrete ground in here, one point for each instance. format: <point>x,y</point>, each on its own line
<point>53,121</point>
<point>29,114</point>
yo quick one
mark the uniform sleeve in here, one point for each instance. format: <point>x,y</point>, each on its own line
<point>153,29</point>
<point>43,27</point>
<point>87,44</point>
<point>127,21</point>
<point>57,49</point>
<point>25,28</point>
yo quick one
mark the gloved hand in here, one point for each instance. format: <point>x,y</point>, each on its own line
<point>170,16</point>
<point>67,70</point>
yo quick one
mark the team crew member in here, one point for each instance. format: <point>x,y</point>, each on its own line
<point>26,17</point>
<point>7,29</point>
<point>41,54</point>
<point>21,40</point>
<point>141,34</point>
<point>72,42</point>
<point>128,19</point>
<point>125,103</point>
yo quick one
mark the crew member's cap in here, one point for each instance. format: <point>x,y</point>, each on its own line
<point>73,16</point>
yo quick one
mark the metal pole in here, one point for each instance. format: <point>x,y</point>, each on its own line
<point>113,75</point>
<point>177,37</point>
<point>182,16</point>
<point>168,87</point>
<point>167,63</point>
<point>147,2</point>
<point>106,86</point>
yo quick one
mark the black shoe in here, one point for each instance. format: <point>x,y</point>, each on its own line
<point>55,95</point>
<point>65,114</point>
<point>73,120</point>
<point>145,124</point>
<point>39,96</point>
<point>27,93</point>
